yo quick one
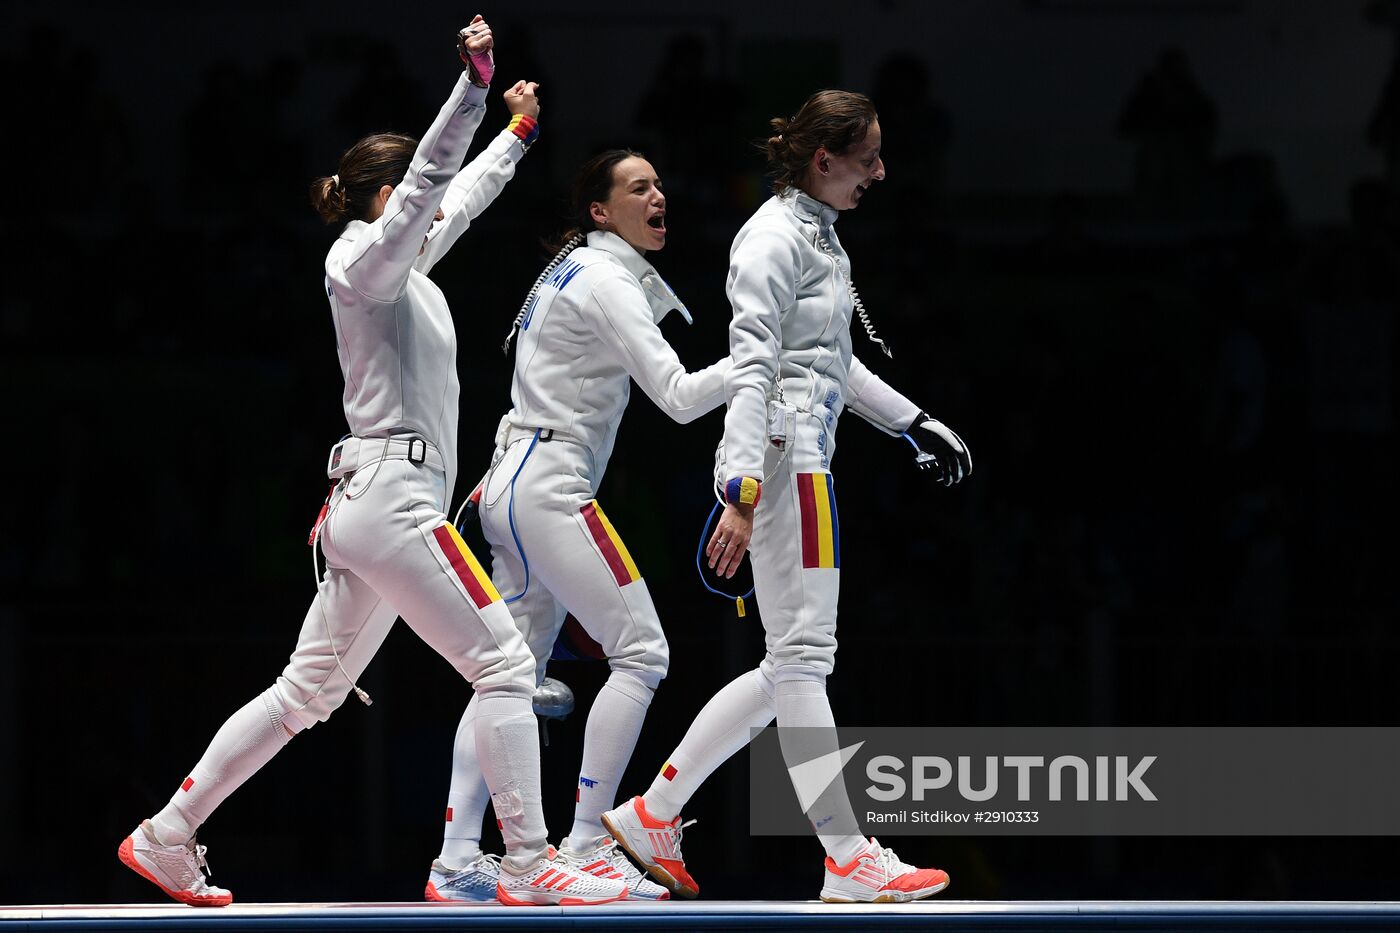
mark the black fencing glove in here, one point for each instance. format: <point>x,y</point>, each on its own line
<point>940,449</point>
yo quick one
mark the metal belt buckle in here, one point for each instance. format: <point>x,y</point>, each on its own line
<point>424,446</point>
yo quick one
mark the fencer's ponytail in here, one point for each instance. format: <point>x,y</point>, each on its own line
<point>831,120</point>
<point>594,182</point>
<point>328,198</point>
<point>778,146</point>
<point>366,167</point>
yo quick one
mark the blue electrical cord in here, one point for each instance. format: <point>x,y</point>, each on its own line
<point>913,443</point>
<point>520,548</point>
<point>700,551</point>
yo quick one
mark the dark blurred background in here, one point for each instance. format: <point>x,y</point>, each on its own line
<point>1141,254</point>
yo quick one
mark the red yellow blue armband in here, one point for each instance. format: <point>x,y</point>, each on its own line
<point>743,490</point>
<point>525,127</point>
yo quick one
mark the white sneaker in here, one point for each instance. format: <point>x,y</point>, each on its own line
<point>177,870</point>
<point>654,844</point>
<point>556,878</point>
<point>877,876</point>
<point>476,882</point>
<point>605,859</point>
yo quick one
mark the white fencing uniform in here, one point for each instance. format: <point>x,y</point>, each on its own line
<point>591,330</point>
<point>789,339</point>
<point>389,547</point>
<point>789,293</point>
<point>594,325</point>
<point>398,352</point>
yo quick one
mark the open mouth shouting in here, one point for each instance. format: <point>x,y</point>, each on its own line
<point>657,222</point>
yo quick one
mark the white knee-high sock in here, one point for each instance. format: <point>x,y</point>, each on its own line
<point>614,723</point>
<point>803,703</point>
<point>721,729</point>
<point>467,796</point>
<point>508,750</point>
<point>244,743</point>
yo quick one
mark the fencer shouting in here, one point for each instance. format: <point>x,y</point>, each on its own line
<point>587,330</point>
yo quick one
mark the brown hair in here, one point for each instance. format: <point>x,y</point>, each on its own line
<point>834,120</point>
<point>373,162</point>
<point>593,182</point>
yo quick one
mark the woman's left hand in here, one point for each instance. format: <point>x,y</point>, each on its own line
<point>730,540</point>
<point>521,98</point>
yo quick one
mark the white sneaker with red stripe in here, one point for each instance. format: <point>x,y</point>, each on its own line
<point>878,876</point>
<point>606,860</point>
<point>654,844</point>
<point>177,870</point>
<point>556,878</point>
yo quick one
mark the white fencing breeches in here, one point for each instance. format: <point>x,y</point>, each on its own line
<point>796,553</point>
<point>796,557</point>
<point>390,551</point>
<point>578,562</point>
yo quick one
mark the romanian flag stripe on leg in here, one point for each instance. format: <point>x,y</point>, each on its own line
<point>469,571</point>
<point>821,539</point>
<point>808,513</point>
<point>620,562</point>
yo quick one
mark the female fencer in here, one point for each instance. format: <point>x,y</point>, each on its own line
<point>587,330</point>
<point>389,547</point>
<point>794,372</point>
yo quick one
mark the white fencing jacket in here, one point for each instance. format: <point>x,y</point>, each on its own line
<point>394,333</point>
<point>591,326</point>
<point>792,316</point>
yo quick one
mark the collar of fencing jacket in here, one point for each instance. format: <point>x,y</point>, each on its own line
<point>659,295</point>
<point>808,209</point>
<point>627,254</point>
<point>352,230</point>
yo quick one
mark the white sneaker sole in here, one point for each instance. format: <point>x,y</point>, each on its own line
<point>886,897</point>
<point>545,899</point>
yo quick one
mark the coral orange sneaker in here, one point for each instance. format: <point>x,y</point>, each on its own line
<point>654,844</point>
<point>877,876</point>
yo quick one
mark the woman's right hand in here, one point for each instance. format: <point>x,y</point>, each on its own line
<point>474,44</point>
<point>731,539</point>
<point>520,98</point>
